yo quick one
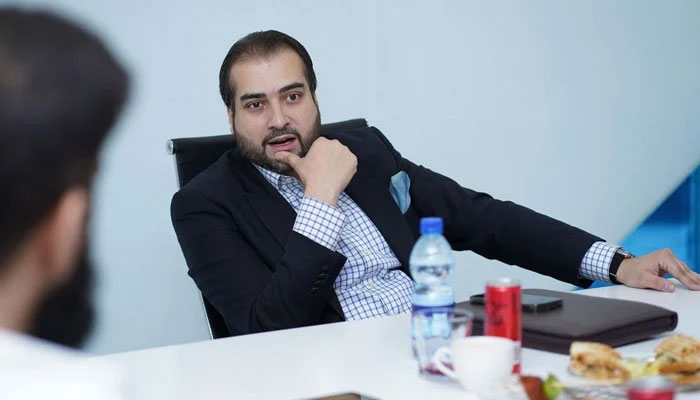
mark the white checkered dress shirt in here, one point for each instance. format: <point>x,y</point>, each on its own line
<point>596,262</point>
<point>368,285</point>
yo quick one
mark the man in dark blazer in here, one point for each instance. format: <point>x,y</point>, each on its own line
<point>293,229</point>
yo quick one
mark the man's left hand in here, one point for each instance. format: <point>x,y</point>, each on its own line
<point>648,271</point>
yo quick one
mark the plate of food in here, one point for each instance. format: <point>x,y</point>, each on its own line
<point>603,373</point>
<point>677,358</point>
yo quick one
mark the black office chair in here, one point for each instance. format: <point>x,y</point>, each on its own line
<point>194,155</point>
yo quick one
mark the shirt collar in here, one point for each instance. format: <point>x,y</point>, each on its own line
<point>277,180</point>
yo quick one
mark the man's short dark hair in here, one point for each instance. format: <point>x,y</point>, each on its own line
<point>261,44</point>
<point>60,92</point>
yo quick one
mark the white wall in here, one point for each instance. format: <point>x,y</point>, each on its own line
<point>586,111</point>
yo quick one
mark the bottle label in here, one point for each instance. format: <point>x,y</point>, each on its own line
<point>433,299</point>
<point>415,307</point>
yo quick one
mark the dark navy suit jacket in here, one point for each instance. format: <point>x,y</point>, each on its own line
<point>235,231</point>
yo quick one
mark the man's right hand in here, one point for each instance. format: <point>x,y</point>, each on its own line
<point>648,271</point>
<point>325,171</point>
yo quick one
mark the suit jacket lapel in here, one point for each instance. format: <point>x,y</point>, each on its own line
<point>374,199</point>
<point>276,214</point>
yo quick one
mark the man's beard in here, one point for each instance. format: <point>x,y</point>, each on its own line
<point>66,313</point>
<point>256,152</point>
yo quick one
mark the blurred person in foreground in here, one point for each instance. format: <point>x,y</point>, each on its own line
<point>60,93</point>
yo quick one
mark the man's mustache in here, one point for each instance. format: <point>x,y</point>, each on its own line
<point>280,132</point>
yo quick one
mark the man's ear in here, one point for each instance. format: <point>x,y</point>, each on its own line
<point>229,112</point>
<point>61,234</point>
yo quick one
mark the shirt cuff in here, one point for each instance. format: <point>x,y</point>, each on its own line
<point>319,222</point>
<point>596,263</point>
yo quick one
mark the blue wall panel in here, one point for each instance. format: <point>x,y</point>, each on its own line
<point>674,224</point>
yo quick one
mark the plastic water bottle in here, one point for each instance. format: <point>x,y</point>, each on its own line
<point>431,264</point>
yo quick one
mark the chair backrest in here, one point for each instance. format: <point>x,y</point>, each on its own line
<point>193,155</point>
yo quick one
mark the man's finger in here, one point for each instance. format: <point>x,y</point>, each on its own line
<point>680,271</point>
<point>687,272</point>
<point>287,158</point>
<point>695,276</point>
<point>692,278</point>
<point>654,282</point>
<point>671,264</point>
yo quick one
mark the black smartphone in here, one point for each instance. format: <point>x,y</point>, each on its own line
<point>530,302</point>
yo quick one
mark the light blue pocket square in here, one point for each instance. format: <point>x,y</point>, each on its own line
<point>399,187</point>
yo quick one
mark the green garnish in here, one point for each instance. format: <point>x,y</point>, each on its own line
<point>552,387</point>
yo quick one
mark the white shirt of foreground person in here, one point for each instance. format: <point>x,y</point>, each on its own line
<point>35,369</point>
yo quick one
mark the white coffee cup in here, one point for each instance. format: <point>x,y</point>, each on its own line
<point>478,361</point>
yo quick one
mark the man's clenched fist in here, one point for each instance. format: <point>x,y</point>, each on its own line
<point>325,171</point>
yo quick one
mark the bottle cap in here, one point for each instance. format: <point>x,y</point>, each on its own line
<point>430,225</point>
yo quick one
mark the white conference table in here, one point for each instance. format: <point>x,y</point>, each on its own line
<point>371,357</point>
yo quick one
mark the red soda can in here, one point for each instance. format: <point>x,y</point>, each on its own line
<point>504,313</point>
<point>651,388</point>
